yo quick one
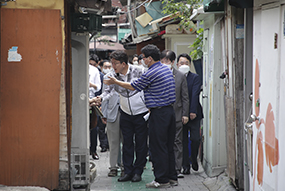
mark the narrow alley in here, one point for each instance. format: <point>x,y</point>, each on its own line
<point>192,182</point>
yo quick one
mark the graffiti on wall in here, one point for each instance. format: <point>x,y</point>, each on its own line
<point>268,151</point>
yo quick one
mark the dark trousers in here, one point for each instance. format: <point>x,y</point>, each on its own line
<point>102,134</point>
<point>194,127</point>
<point>161,142</point>
<point>93,130</point>
<point>134,130</point>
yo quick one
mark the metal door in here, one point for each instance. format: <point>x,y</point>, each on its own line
<point>267,88</point>
<point>31,54</point>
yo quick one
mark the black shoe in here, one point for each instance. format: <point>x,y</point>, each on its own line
<point>104,149</point>
<point>95,156</point>
<point>125,178</point>
<point>136,178</point>
<point>195,166</point>
<point>186,171</point>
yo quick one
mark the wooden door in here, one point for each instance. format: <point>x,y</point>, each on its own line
<point>31,56</point>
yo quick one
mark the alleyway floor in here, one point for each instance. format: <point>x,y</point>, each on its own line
<point>192,182</point>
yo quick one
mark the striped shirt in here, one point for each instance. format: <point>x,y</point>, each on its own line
<point>158,86</point>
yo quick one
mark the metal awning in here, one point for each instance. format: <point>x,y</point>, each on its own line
<point>199,14</point>
<point>213,5</point>
<point>241,3</point>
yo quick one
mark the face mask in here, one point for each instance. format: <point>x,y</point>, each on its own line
<point>169,66</point>
<point>106,71</point>
<point>144,64</point>
<point>184,69</point>
<point>135,63</point>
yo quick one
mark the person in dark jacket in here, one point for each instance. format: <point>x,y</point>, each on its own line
<point>195,114</point>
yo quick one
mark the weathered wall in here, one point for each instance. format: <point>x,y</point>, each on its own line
<point>63,143</point>
<point>268,97</point>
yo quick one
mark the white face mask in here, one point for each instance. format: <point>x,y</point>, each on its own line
<point>169,66</point>
<point>184,69</point>
<point>106,71</point>
<point>135,63</point>
<point>142,61</point>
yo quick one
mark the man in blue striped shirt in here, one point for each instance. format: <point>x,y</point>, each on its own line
<point>159,91</point>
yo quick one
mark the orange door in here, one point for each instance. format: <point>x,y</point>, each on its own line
<point>30,70</point>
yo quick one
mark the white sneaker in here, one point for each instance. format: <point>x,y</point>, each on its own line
<point>180,175</point>
<point>155,184</point>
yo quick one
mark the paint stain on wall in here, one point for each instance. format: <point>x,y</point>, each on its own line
<point>260,159</point>
<point>271,143</point>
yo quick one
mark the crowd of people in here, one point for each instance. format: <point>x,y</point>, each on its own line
<point>147,105</point>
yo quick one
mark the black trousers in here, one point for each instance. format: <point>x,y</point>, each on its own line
<point>93,130</point>
<point>162,127</point>
<point>194,127</point>
<point>134,130</point>
<point>102,134</point>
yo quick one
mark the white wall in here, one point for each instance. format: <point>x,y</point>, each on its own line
<point>179,43</point>
<point>268,133</point>
<point>215,159</point>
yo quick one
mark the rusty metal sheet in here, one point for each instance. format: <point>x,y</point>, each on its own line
<point>30,70</point>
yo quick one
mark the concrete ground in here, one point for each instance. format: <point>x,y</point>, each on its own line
<point>196,181</point>
<point>192,182</point>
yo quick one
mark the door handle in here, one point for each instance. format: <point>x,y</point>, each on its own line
<point>249,123</point>
<point>254,118</point>
<point>250,97</point>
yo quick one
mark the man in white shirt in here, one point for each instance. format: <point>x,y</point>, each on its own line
<point>94,86</point>
<point>132,122</point>
<point>94,79</point>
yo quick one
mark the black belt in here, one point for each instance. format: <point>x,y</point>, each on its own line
<point>161,107</point>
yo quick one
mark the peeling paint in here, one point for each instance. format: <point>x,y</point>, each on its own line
<point>56,53</point>
<point>13,55</point>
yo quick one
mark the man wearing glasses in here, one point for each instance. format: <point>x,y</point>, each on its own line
<point>132,122</point>
<point>159,91</point>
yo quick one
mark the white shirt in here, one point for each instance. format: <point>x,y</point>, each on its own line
<point>131,102</point>
<point>94,78</point>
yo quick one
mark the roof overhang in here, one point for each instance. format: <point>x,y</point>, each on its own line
<point>213,5</point>
<point>199,14</point>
